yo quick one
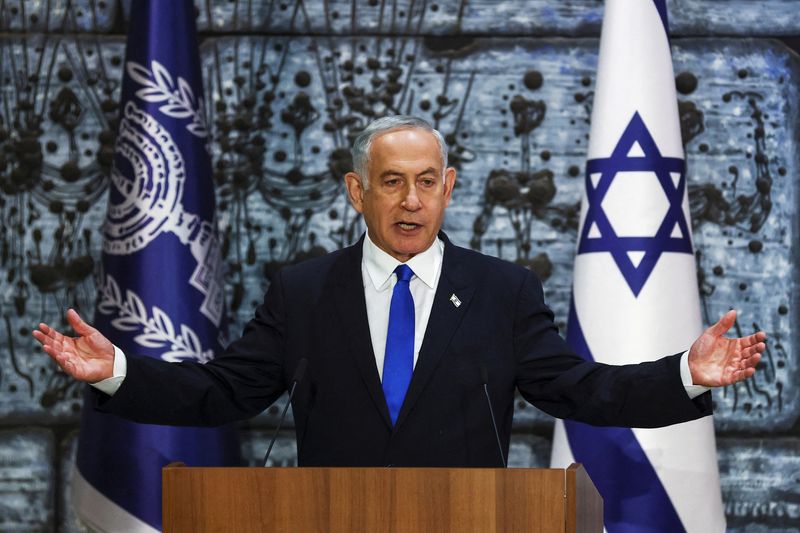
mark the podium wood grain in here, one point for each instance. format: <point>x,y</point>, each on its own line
<point>396,500</point>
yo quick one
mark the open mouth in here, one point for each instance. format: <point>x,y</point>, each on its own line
<point>407,226</point>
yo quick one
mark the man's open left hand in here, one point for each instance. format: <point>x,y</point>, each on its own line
<point>716,361</point>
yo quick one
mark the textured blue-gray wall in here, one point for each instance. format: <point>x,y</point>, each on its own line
<point>288,83</point>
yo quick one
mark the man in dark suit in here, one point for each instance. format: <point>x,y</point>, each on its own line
<point>400,332</point>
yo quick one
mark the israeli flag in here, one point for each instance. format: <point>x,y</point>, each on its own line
<point>635,289</point>
<point>161,292</point>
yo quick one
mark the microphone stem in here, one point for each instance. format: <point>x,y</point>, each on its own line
<point>494,425</point>
<point>280,422</point>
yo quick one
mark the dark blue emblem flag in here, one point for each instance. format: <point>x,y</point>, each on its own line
<point>635,289</point>
<point>160,294</point>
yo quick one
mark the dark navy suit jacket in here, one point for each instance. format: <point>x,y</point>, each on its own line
<point>316,310</point>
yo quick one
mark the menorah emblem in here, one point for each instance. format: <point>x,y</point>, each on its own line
<point>146,201</point>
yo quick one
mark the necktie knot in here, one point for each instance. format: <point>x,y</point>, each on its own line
<point>404,273</point>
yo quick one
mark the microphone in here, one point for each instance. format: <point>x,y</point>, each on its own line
<point>485,382</point>
<point>298,376</point>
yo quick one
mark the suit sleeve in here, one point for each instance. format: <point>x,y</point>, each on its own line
<point>556,380</point>
<point>238,384</point>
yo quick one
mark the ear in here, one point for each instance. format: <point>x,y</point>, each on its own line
<point>449,183</point>
<point>355,191</point>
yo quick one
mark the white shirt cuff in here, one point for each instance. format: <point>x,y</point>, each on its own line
<point>110,385</point>
<point>686,377</point>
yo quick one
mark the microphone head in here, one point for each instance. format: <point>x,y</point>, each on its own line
<point>300,370</point>
<point>484,375</point>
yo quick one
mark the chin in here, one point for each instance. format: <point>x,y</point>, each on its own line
<point>410,251</point>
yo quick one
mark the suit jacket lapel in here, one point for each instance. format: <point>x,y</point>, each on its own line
<point>444,320</point>
<point>348,289</point>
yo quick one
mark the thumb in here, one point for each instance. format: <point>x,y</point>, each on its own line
<point>81,328</point>
<point>723,324</point>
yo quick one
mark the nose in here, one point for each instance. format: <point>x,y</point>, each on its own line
<point>411,201</point>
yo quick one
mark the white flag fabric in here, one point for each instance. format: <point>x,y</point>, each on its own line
<point>635,293</point>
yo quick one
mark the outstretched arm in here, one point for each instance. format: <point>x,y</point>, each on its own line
<point>716,361</point>
<point>87,357</point>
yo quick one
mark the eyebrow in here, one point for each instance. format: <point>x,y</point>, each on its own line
<point>392,172</point>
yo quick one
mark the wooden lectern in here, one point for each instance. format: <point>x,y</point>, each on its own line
<point>396,500</point>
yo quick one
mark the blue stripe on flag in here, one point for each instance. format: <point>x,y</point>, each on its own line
<point>661,6</point>
<point>634,498</point>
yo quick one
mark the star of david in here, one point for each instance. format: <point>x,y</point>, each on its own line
<point>598,235</point>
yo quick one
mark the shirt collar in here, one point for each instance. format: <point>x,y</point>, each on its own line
<point>380,265</point>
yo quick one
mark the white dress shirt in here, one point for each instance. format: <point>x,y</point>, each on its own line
<point>377,272</point>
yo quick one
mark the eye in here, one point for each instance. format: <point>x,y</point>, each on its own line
<point>427,182</point>
<point>392,182</point>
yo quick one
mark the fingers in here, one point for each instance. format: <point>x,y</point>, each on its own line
<point>55,354</point>
<point>751,361</point>
<point>64,356</point>
<point>64,359</point>
<point>43,339</point>
<point>723,324</point>
<point>81,328</point>
<point>50,345</point>
<point>48,337</point>
<point>754,349</point>
<point>741,375</point>
<point>78,324</point>
<point>55,345</point>
<point>755,338</point>
<point>746,369</point>
<point>48,333</point>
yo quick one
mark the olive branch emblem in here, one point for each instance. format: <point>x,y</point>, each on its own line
<point>159,86</point>
<point>157,331</point>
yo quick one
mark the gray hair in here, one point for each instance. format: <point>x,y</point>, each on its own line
<point>363,142</point>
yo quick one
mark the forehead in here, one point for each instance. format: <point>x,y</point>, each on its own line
<point>404,147</point>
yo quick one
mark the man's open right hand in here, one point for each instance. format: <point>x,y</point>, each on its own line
<point>87,357</point>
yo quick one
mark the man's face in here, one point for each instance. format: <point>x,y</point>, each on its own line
<point>405,202</point>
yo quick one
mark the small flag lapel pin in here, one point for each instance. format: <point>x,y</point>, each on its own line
<point>455,300</point>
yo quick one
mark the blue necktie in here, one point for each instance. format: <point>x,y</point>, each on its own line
<point>398,363</point>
